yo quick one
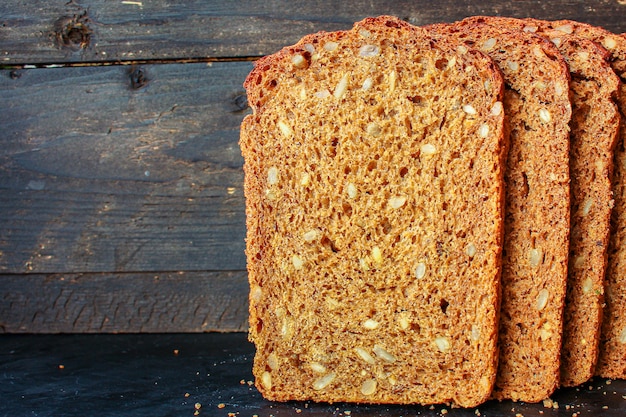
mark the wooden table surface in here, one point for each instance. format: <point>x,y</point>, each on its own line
<point>164,375</point>
<point>121,205</point>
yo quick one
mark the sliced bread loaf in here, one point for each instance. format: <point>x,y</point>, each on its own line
<point>612,355</point>
<point>374,203</point>
<point>595,127</point>
<point>537,204</point>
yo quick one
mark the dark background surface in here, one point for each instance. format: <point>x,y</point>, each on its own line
<point>168,374</point>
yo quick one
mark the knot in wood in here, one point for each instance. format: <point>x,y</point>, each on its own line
<point>138,78</point>
<point>73,32</point>
<point>239,102</point>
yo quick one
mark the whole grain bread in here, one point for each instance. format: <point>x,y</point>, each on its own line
<point>594,130</point>
<point>612,355</point>
<point>374,205</point>
<point>537,204</point>
<point>595,126</point>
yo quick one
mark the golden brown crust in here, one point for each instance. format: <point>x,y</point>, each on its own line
<point>537,205</point>
<point>374,201</point>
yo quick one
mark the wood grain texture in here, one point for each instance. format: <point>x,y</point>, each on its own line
<point>96,176</point>
<point>113,174</point>
<point>124,303</point>
<point>105,31</point>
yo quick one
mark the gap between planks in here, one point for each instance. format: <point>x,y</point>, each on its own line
<point>135,62</point>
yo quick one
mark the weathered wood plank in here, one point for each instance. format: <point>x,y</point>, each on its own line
<point>98,176</point>
<point>100,30</point>
<point>124,303</point>
<point>115,178</point>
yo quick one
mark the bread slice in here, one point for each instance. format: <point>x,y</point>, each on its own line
<point>534,269</point>
<point>595,126</point>
<point>374,203</point>
<point>612,355</point>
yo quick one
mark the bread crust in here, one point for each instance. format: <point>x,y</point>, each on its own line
<point>374,206</point>
<point>537,205</point>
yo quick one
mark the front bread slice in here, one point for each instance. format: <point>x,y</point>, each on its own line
<point>374,204</point>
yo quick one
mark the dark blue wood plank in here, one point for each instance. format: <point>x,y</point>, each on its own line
<point>98,176</point>
<point>124,302</point>
<point>181,374</point>
<point>100,30</point>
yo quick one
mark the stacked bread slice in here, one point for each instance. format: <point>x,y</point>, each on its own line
<point>612,350</point>
<point>529,346</point>
<point>413,199</point>
<point>595,129</point>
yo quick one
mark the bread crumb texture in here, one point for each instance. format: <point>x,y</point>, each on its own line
<point>374,199</point>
